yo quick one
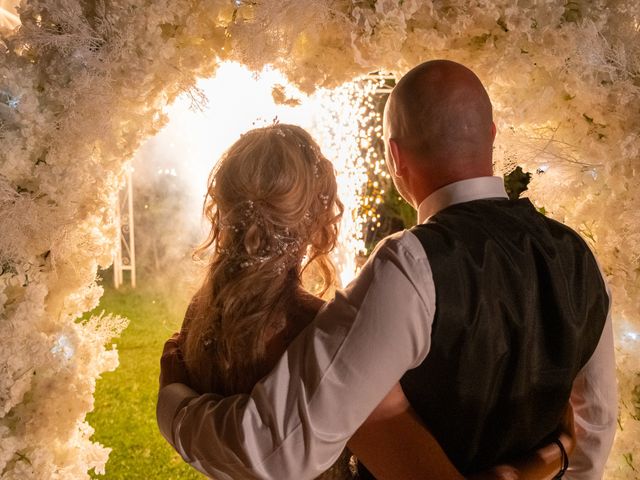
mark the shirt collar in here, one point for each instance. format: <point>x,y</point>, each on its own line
<point>459,192</point>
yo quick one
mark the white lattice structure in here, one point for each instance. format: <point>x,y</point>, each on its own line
<point>125,256</point>
<point>83,83</point>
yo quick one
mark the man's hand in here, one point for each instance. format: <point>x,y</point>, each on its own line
<point>543,463</point>
<point>567,430</point>
<point>172,366</point>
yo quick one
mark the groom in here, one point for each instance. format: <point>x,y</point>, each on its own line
<point>489,314</point>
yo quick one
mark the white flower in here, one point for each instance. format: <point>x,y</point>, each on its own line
<point>83,96</point>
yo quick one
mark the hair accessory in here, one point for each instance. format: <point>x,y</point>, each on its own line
<point>316,157</point>
<point>208,338</point>
<point>282,244</point>
<point>306,219</point>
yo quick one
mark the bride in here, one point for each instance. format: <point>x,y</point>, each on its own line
<point>274,212</point>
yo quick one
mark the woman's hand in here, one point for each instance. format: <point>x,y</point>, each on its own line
<point>172,367</point>
<point>544,463</point>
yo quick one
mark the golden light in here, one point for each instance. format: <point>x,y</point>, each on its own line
<point>237,100</point>
<point>8,15</point>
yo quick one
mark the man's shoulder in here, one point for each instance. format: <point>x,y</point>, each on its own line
<point>404,243</point>
<point>400,264</point>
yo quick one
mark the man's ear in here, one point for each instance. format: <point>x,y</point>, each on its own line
<point>398,160</point>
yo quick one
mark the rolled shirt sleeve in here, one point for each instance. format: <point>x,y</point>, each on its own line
<point>297,420</point>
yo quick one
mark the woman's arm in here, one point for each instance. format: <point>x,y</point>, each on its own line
<point>393,443</point>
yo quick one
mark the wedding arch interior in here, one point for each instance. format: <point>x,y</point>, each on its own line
<point>84,83</point>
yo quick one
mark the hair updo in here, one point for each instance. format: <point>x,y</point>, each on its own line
<point>273,207</point>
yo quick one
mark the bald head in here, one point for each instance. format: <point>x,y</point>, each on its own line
<point>442,114</point>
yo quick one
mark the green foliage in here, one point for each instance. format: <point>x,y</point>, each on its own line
<point>124,415</point>
<point>404,211</point>
<point>395,215</point>
<point>635,400</point>
<point>516,182</point>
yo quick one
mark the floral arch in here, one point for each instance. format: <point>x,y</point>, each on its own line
<point>83,83</point>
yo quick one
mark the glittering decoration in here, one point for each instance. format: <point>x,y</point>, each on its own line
<point>345,122</point>
<point>9,100</point>
<point>563,77</point>
<point>344,128</point>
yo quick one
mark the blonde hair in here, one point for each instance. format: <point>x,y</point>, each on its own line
<point>273,207</point>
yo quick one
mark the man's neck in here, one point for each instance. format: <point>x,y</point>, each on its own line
<point>459,192</point>
<point>434,182</point>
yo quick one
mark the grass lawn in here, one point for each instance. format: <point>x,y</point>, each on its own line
<point>124,416</point>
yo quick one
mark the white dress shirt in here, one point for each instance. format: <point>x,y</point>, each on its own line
<point>298,419</point>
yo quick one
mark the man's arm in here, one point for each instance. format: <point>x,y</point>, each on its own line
<point>393,443</point>
<point>595,405</point>
<point>298,419</point>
